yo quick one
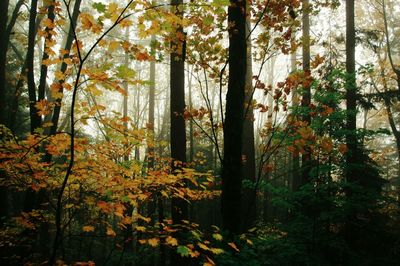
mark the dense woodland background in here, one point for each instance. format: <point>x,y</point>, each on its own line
<point>238,132</point>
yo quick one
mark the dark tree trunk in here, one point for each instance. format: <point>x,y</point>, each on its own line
<point>233,125</point>
<point>351,229</point>
<point>177,97</point>
<point>57,109</point>
<point>306,99</point>
<point>43,67</point>
<point>179,207</point>
<point>3,59</point>
<point>35,118</point>
<point>351,97</point>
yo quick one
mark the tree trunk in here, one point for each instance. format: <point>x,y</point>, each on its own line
<point>233,125</point>
<point>179,207</point>
<point>249,163</point>
<point>306,99</point>
<point>43,67</point>
<point>68,44</point>
<point>35,118</point>
<point>3,59</point>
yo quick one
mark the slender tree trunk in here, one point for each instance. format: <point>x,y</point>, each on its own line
<point>249,163</point>
<point>3,85</point>
<point>306,99</point>
<point>351,101</point>
<point>395,131</point>
<point>152,93</point>
<point>35,118</point>
<point>233,125</point>
<point>3,59</point>
<point>191,138</point>
<point>48,37</point>
<point>351,228</point>
<point>267,204</point>
<point>12,118</point>
<point>68,44</point>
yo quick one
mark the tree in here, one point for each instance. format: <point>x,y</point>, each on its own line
<point>233,124</point>
<point>306,99</point>
<point>177,97</point>
<point>249,162</point>
<point>3,59</point>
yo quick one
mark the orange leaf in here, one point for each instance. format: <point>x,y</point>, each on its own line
<point>88,228</point>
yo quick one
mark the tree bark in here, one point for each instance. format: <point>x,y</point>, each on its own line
<point>35,118</point>
<point>249,163</point>
<point>177,97</point>
<point>179,207</point>
<point>57,109</point>
<point>306,99</point>
<point>3,59</point>
<point>233,126</point>
<point>48,37</point>
<point>351,97</point>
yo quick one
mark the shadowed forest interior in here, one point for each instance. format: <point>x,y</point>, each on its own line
<point>209,132</point>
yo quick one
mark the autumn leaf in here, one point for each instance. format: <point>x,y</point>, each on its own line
<point>343,148</point>
<point>110,232</point>
<point>171,241</point>
<point>233,245</point>
<point>217,251</point>
<point>88,228</point>
<point>202,246</point>
<point>140,228</point>
<point>153,242</point>
<point>43,107</point>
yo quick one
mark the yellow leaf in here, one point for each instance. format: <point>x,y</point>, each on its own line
<point>113,45</point>
<point>171,241</point>
<point>88,228</point>
<point>217,237</point>
<point>94,90</point>
<point>153,242</point>
<point>202,246</point>
<point>110,232</point>
<point>140,228</point>
<point>112,7</point>
<point>217,251</point>
<point>232,245</point>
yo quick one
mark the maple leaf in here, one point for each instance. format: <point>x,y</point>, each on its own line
<point>110,232</point>
<point>88,228</point>
<point>202,246</point>
<point>43,107</point>
<point>140,228</point>
<point>183,251</point>
<point>153,242</point>
<point>171,241</point>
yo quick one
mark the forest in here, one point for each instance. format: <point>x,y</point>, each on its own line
<point>208,132</point>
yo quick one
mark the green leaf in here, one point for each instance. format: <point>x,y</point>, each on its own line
<point>125,72</point>
<point>217,237</point>
<point>183,251</point>
<point>219,3</point>
<point>100,7</point>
